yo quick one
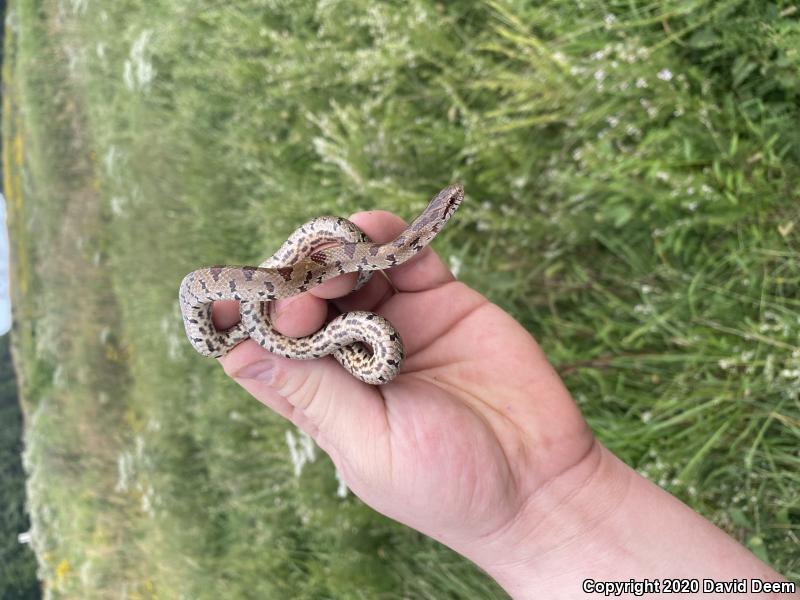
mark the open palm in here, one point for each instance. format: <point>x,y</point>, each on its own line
<point>462,439</point>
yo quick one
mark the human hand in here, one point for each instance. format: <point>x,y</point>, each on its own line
<point>459,442</point>
<point>477,442</point>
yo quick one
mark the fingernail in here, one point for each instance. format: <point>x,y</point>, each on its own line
<point>261,370</point>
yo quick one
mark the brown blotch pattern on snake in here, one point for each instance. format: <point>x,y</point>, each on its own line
<point>296,267</point>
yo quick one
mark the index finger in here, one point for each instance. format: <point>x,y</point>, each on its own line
<point>422,272</point>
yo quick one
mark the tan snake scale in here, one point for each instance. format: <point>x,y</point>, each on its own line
<point>364,343</point>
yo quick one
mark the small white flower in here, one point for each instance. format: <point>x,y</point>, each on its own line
<point>665,75</point>
<point>118,204</point>
<point>301,451</point>
<point>138,72</point>
<point>125,472</point>
<point>110,158</point>
<point>455,265</point>
<point>341,489</point>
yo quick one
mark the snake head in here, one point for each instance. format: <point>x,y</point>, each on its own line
<point>448,200</point>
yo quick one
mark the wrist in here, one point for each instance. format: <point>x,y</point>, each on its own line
<point>601,520</point>
<point>546,543</point>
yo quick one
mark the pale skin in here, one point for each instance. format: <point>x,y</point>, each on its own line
<point>478,443</point>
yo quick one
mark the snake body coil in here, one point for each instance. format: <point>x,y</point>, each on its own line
<point>299,266</point>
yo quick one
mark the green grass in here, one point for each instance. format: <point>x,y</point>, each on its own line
<point>632,179</point>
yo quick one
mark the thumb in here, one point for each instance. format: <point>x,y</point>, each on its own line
<point>318,396</point>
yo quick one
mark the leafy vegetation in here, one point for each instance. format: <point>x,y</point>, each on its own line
<point>17,563</point>
<point>632,178</point>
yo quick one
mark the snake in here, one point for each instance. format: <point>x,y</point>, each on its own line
<point>366,344</point>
